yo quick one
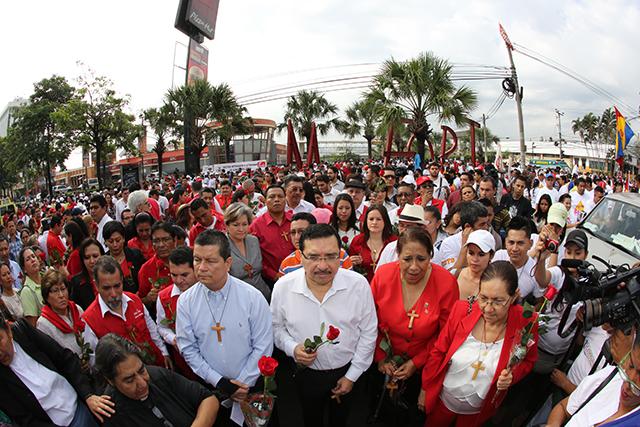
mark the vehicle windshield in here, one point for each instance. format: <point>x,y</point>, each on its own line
<point>616,222</point>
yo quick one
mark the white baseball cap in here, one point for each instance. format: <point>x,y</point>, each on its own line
<point>482,239</point>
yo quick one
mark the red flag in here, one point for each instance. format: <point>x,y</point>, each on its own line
<point>292,146</point>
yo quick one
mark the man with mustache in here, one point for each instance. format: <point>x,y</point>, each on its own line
<point>122,313</point>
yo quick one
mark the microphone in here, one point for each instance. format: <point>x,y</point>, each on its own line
<point>572,263</point>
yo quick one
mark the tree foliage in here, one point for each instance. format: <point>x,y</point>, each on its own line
<point>162,122</point>
<point>417,89</point>
<point>363,119</point>
<point>200,105</point>
<point>309,106</point>
<point>96,119</point>
<point>35,141</point>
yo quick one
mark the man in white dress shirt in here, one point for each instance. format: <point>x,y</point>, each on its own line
<point>294,193</point>
<point>322,293</point>
<point>98,211</point>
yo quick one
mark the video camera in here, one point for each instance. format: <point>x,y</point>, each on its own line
<point>609,297</point>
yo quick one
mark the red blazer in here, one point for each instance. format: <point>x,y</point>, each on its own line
<point>433,306</point>
<point>456,331</point>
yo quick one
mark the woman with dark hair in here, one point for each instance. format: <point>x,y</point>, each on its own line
<point>413,300</point>
<point>240,196</point>
<point>60,318</point>
<point>142,223</point>
<point>74,236</point>
<point>468,364</point>
<point>542,210</point>
<point>10,303</point>
<point>467,193</point>
<point>82,288</point>
<point>452,220</point>
<point>184,219</point>
<point>130,260</point>
<point>344,219</point>
<point>30,294</point>
<point>366,248</point>
<point>149,396</point>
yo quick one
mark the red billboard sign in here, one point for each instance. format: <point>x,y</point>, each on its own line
<point>197,62</point>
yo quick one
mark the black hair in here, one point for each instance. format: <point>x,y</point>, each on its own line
<point>106,264</point>
<point>198,204</point>
<point>470,212</point>
<point>196,186</point>
<point>564,197</point>
<point>165,226</point>
<point>538,215</point>
<point>488,203</point>
<point>304,216</point>
<point>82,250</point>
<point>387,231</point>
<point>215,238</point>
<point>318,231</point>
<point>323,178</point>
<point>112,350</point>
<point>352,222</point>
<point>239,194</point>
<point>488,178</point>
<point>520,223</point>
<point>123,211</point>
<point>50,279</point>
<point>134,186</point>
<point>176,195</point>
<point>77,235</point>
<point>99,199</point>
<point>141,218</point>
<point>293,178</point>
<point>181,255</point>
<point>154,192</point>
<point>504,271</point>
<point>266,192</point>
<point>434,211</point>
<point>21,255</point>
<point>598,189</point>
<point>179,232</point>
<point>113,227</point>
<point>417,235</point>
<point>210,190</point>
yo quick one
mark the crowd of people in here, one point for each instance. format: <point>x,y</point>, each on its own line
<point>152,305</point>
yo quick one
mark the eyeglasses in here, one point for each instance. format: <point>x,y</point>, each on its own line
<point>162,241</point>
<point>319,258</point>
<point>389,176</point>
<point>635,389</point>
<point>497,303</point>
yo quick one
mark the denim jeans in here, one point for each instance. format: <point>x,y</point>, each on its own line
<point>83,417</point>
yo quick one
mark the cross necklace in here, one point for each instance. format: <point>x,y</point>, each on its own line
<point>217,327</point>
<point>478,365</point>
<point>412,315</point>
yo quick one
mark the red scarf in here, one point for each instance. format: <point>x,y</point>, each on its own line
<point>58,322</point>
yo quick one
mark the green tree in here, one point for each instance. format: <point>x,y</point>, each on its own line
<point>8,169</point>
<point>97,121</point>
<point>363,119</point>
<point>235,123</point>
<point>309,106</point>
<point>35,140</point>
<point>199,105</point>
<point>419,88</point>
<point>162,122</point>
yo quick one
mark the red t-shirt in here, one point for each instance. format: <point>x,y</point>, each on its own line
<point>154,272</point>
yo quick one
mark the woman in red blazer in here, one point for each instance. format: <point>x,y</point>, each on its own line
<point>365,248</point>
<point>468,362</point>
<point>413,300</point>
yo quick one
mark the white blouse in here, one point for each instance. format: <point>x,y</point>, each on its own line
<point>460,392</point>
<point>14,304</point>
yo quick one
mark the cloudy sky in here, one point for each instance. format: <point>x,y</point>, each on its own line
<point>264,45</point>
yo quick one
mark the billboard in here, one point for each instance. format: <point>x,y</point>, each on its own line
<point>197,18</point>
<point>197,62</point>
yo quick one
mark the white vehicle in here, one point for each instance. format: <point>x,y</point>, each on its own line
<point>61,189</point>
<point>613,230</point>
<point>93,183</point>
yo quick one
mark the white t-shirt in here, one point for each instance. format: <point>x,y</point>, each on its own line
<point>580,206</point>
<point>602,406</point>
<point>553,193</point>
<point>593,341</point>
<point>526,275</point>
<point>388,254</point>
<point>449,251</point>
<point>550,341</point>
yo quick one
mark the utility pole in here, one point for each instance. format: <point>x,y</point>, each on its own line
<point>518,93</point>
<point>484,138</point>
<point>559,114</point>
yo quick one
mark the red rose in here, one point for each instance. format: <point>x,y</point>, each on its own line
<point>345,239</point>
<point>267,366</point>
<point>333,333</point>
<point>551,293</point>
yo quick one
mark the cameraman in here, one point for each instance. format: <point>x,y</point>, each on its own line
<point>610,396</point>
<point>551,346</point>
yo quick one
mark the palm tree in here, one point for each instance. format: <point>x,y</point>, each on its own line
<point>197,105</point>
<point>578,127</point>
<point>363,118</point>
<point>309,106</point>
<point>162,121</point>
<point>419,88</point>
<point>235,123</point>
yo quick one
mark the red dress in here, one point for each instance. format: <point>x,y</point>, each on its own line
<point>432,307</point>
<point>359,247</point>
<point>458,327</point>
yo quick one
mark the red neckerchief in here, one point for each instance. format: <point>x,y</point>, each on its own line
<point>58,322</point>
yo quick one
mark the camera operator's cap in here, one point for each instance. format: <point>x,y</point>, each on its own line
<point>413,214</point>
<point>354,183</point>
<point>557,214</point>
<point>578,238</point>
<point>482,239</point>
